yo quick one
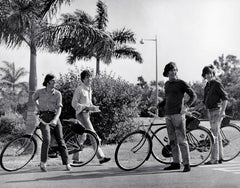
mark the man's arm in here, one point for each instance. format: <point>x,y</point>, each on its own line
<point>191,93</point>
<point>75,101</point>
<point>35,97</point>
<point>58,110</point>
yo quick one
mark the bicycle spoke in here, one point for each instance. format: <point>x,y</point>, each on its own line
<point>200,144</point>
<point>161,150</point>
<point>84,147</point>
<point>230,138</point>
<point>17,153</point>
<point>133,150</point>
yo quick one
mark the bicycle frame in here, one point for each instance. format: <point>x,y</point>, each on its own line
<point>149,132</point>
<point>66,133</point>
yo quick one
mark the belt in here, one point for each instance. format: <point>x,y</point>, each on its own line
<point>213,109</point>
<point>47,112</point>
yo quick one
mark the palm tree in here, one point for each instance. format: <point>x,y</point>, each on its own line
<point>102,51</point>
<point>11,86</point>
<point>29,22</point>
<point>11,76</point>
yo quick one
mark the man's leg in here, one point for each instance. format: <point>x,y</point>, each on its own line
<point>173,143</point>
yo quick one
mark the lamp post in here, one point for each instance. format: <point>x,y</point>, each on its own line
<point>154,40</point>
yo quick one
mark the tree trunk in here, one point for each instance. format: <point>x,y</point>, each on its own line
<point>31,118</point>
<point>97,66</point>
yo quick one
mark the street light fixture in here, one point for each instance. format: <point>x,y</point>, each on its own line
<point>154,40</point>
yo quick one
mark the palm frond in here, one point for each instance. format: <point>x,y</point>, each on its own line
<point>128,52</point>
<point>82,17</point>
<point>77,27</point>
<point>102,16</point>
<point>123,36</point>
<point>15,19</point>
<point>47,7</point>
<point>78,37</point>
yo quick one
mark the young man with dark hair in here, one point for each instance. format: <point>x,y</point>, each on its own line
<point>49,104</point>
<point>215,100</point>
<point>82,103</point>
<point>175,109</point>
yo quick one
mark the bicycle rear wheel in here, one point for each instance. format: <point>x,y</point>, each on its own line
<point>200,145</point>
<point>18,153</point>
<point>133,150</point>
<point>231,138</point>
<point>199,140</point>
<point>161,149</point>
<point>86,144</point>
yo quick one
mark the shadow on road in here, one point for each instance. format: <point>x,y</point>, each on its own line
<point>101,173</point>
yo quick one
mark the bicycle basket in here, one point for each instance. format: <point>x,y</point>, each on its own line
<point>225,121</point>
<point>192,122</point>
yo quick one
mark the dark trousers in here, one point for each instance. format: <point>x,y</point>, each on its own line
<point>46,135</point>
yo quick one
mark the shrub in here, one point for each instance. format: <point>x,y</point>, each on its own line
<point>118,101</point>
<point>11,125</point>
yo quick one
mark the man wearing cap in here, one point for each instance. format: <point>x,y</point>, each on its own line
<point>175,109</point>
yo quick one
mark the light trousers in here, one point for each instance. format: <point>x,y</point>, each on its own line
<point>176,128</point>
<point>215,123</point>
<point>84,118</point>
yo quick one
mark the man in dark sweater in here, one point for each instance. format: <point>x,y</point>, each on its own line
<point>215,100</point>
<point>175,109</point>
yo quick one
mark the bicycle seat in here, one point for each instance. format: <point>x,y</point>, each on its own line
<point>76,126</point>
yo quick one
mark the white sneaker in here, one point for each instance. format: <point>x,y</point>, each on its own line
<point>68,167</point>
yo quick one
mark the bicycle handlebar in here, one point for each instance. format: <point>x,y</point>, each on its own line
<point>152,114</point>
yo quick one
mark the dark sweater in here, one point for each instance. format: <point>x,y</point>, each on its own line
<point>174,96</point>
<point>214,93</point>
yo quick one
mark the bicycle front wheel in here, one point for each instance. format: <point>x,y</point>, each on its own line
<point>18,153</point>
<point>231,138</point>
<point>200,142</point>
<point>84,145</point>
<point>133,150</point>
<point>161,149</point>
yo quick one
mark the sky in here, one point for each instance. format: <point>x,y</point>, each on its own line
<point>192,33</point>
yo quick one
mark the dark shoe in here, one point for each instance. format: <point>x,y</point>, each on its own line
<point>77,162</point>
<point>173,166</point>
<point>104,160</point>
<point>187,168</point>
<point>220,161</point>
<point>211,162</point>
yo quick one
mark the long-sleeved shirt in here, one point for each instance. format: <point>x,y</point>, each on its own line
<point>214,93</point>
<point>82,97</point>
<point>174,96</point>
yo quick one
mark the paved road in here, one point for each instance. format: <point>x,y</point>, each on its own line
<point>150,175</point>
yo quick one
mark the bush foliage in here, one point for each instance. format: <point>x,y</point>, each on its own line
<point>11,125</point>
<point>118,101</point>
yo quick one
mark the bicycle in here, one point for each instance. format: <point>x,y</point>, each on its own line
<point>136,147</point>
<point>20,151</point>
<point>230,134</point>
